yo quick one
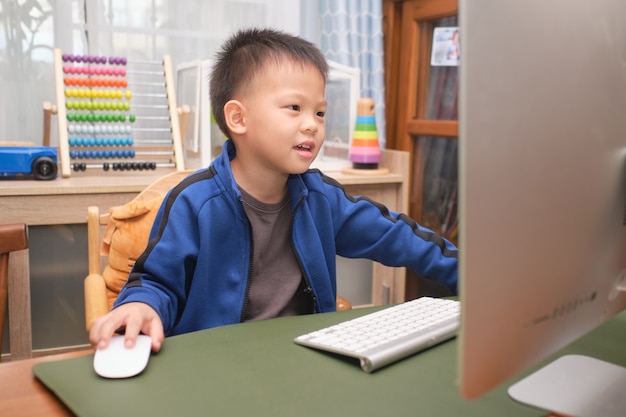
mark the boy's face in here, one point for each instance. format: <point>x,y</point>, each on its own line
<point>284,116</point>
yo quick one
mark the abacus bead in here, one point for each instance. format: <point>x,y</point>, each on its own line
<point>105,166</point>
<point>132,118</point>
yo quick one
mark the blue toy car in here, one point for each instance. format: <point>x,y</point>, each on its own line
<point>38,161</point>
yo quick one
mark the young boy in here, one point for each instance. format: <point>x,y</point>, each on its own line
<point>255,234</point>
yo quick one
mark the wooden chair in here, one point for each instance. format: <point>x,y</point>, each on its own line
<point>13,238</point>
<point>135,218</point>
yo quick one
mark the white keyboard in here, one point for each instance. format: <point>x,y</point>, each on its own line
<point>391,334</point>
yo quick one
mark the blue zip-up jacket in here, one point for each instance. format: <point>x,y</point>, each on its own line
<point>194,271</point>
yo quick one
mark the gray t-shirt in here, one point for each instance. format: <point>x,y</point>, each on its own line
<point>276,285</point>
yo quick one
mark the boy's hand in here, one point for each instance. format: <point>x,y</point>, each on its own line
<point>135,318</point>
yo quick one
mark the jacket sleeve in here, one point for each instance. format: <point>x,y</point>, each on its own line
<point>366,229</point>
<point>162,274</point>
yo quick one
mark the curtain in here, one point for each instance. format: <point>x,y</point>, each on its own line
<point>352,35</point>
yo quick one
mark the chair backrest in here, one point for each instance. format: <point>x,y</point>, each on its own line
<point>13,238</point>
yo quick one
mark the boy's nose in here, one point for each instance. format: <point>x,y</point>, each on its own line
<point>310,127</point>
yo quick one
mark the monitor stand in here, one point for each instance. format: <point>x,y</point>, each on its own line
<point>575,385</point>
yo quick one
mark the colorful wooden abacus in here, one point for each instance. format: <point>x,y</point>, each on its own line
<point>116,114</point>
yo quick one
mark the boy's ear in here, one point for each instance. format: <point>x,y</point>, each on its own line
<point>234,112</point>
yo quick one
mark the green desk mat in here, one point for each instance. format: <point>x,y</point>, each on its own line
<point>255,369</point>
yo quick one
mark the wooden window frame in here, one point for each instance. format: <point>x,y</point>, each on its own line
<point>409,89</point>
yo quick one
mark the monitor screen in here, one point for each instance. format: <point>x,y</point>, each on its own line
<point>542,152</point>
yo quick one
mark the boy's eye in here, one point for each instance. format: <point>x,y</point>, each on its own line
<point>294,107</point>
<point>320,114</point>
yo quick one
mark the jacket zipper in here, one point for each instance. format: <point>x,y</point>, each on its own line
<point>308,289</point>
<point>244,308</point>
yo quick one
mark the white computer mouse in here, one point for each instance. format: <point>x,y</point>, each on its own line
<point>118,361</point>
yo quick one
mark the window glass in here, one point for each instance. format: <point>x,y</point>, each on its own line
<point>443,73</point>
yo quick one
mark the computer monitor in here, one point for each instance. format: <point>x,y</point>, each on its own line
<point>542,153</point>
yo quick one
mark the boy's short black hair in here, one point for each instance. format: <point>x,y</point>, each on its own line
<point>245,53</point>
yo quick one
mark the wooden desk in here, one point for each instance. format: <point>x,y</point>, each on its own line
<point>65,201</point>
<point>21,395</point>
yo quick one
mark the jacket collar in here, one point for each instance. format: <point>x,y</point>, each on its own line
<point>295,184</point>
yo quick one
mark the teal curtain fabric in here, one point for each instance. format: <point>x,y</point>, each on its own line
<point>352,35</point>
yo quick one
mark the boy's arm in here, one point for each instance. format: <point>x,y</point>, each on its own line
<point>369,230</point>
<point>161,274</point>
